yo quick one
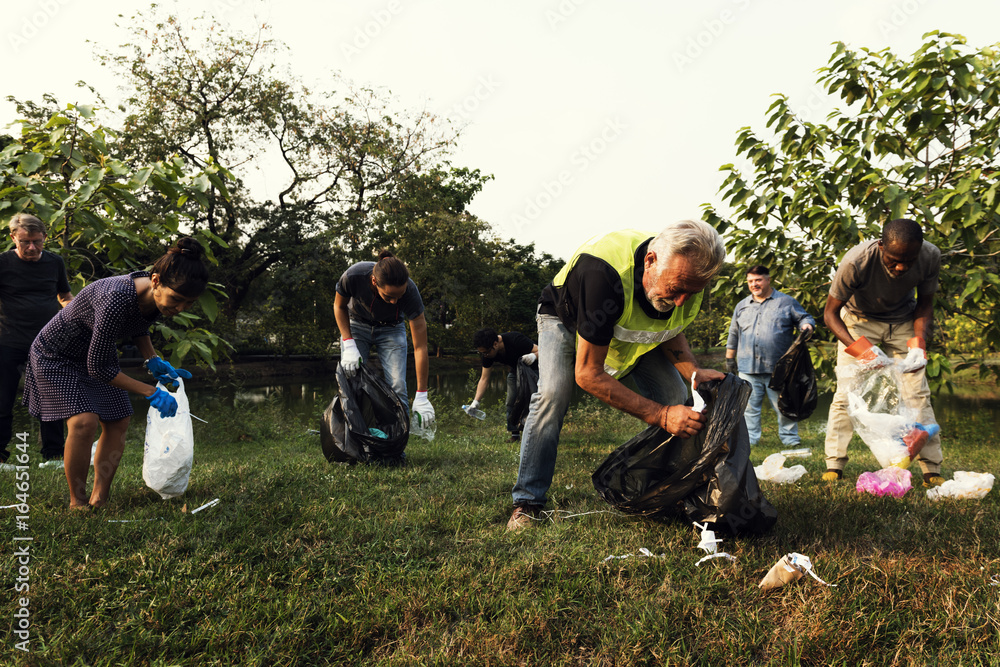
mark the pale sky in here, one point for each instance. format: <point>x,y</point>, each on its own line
<point>592,115</point>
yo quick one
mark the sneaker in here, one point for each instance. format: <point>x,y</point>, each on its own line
<point>833,475</point>
<point>51,463</point>
<point>932,480</point>
<point>522,517</point>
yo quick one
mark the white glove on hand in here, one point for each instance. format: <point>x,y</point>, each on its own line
<point>350,358</point>
<point>874,359</point>
<point>423,407</point>
<point>529,358</point>
<point>915,360</point>
<point>474,404</point>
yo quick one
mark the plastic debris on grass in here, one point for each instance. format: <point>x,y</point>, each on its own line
<point>965,486</point>
<point>879,415</point>
<point>773,470</point>
<point>789,568</point>
<point>644,552</point>
<point>891,481</point>
<point>709,544</point>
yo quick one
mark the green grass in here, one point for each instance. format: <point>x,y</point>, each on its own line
<point>305,563</point>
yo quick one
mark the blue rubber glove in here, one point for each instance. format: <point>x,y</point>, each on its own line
<point>164,402</point>
<point>164,372</point>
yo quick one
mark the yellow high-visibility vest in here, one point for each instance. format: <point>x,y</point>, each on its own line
<point>635,333</point>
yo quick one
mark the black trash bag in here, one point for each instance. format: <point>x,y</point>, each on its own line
<point>795,381</point>
<point>364,401</point>
<point>527,384</point>
<point>707,478</point>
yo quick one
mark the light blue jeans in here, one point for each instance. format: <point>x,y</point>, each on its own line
<point>654,375</point>
<point>788,430</point>
<point>390,345</point>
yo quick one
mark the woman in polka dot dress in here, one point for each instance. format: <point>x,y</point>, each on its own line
<point>73,371</point>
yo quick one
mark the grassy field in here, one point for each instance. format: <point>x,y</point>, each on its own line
<point>307,563</point>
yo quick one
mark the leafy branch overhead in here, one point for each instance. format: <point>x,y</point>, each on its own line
<point>914,138</point>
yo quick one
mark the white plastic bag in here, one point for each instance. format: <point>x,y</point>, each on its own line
<point>966,486</point>
<point>773,470</point>
<point>169,450</point>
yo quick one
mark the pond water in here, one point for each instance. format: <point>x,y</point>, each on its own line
<point>308,397</point>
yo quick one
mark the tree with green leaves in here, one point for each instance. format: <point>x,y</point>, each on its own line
<point>914,138</point>
<point>213,96</point>
<point>109,216</point>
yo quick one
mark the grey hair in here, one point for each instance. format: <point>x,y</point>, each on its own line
<point>696,240</point>
<point>27,222</point>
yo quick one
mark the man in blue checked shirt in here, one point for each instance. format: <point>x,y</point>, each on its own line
<point>763,328</point>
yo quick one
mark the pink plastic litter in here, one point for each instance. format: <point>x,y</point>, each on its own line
<point>891,481</point>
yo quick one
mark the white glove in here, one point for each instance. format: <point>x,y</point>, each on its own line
<point>915,360</point>
<point>529,358</point>
<point>350,358</point>
<point>875,360</point>
<point>474,404</point>
<point>423,407</point>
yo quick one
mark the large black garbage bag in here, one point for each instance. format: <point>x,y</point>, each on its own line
<point>795,381</point>
<point>707,478</point>
<point>364,402</point>
<point>527,384</point>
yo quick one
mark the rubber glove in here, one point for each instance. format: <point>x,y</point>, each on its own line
<point>474,404</point>
<point>869,356</point>
<point>164,372</point>
<point>529,358</point>
<point>350,357</point>
<point>423,407</point>
<point>163,402</point>
<point>917,356</point>
<point>732,366</point>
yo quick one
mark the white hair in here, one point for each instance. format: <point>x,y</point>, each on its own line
<point>696,240</point>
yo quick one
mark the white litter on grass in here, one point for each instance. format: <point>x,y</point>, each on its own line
<point>198,418</point>
<point>965,486</point>
<point>995,580</point>
<point>708,541</point>
<point>642,552</point>
<point>773,470</point>
<point>210,503</point>
<point>552,515</point>
<point>803,564</point>
<point>7,507</point>
<point>721,554</point>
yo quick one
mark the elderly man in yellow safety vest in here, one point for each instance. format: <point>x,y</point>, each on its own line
<point>618,308</point>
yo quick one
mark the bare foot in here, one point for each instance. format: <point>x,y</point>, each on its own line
<point>79,507</point>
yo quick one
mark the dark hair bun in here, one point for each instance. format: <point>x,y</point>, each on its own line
<point>385,253</point>
<point>188,247</point>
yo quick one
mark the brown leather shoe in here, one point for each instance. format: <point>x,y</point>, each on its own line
<point>522,517</point>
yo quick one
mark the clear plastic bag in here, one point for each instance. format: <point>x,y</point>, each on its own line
<point>875,405</point>
<point>168,453</point>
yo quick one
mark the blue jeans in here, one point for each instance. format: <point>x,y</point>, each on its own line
<point>788,430</point>
<point>655,377</point>
<point>51,433</point>
<point>390,345</point>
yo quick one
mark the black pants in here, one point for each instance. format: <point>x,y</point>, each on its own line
<point>11,362</point>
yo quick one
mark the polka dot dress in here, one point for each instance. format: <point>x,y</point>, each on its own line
<point>76,354</point>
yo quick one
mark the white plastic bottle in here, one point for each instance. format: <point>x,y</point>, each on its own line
<point>417,427</point>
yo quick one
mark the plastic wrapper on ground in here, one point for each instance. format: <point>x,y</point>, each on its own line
<point>892,481</point>
<point>366,422</point>
<point>706,479</point>
<point>965,486</point>
<point>795,380</point>
<point>773,470</point>
<point>878,413</point>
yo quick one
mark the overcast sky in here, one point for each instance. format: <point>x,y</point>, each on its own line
<point>592,115</point>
